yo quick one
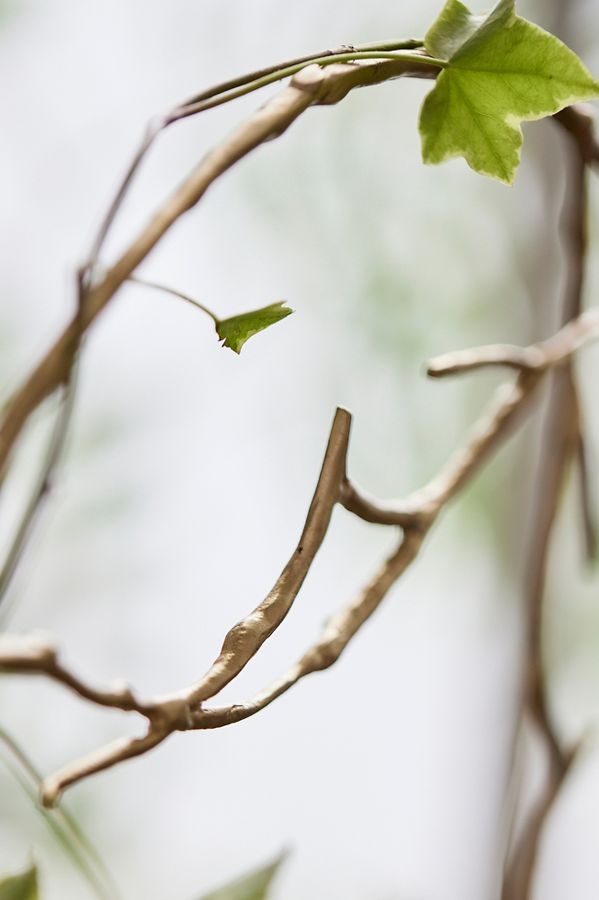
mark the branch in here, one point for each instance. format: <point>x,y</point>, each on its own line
<point>245,639</point>
<point>337,634</point>
<point>185,710</point>
<point>42,487</point>
<point>35,655</point>
<point>323,84</point>
<point>54,451</point>
<point>216,96</point>
<point>578,122</point>
<point>312,86</point>
<point>555,351</point>
<point>562,442</point>
<point>518,877</point>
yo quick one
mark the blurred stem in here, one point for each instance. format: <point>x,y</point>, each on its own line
<point>560,443</point>
<point>43,485</point>
<point>63,825</point>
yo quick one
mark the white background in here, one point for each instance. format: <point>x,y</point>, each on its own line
<point>190,469</point>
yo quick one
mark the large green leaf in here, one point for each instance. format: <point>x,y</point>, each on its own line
<point>20,887</point>
<point>254,886</point>
<point>234,332</point>
<point>501,71</point>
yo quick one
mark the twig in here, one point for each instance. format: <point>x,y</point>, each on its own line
<point>185,710</point>
<point>250,77</point>
<point>245,639</point>
<point>337,634</point>
<point>575,239</point>
<point>349,55</point>
<point>42,487</point>
<point>587,493</point>
<point>311,86</point>
<point>560,434</point>
<point>561,441</point>
<point>54,452</point>
<point>555,351</point>
<point>199,103</point>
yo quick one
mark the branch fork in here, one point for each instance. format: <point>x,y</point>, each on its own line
<point>185,710</point>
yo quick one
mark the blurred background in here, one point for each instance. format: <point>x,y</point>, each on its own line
<point>189,470</point>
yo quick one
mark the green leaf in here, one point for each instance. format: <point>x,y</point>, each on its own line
<point>20,887</point>
<point>502,70</point>
<point>254,886</point>
<point>234,332</point>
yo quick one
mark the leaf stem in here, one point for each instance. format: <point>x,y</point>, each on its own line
<point>174,293</point>
<point>240,80</point>
<point>218,99</point>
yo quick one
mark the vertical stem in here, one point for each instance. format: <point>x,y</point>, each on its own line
<point>560,442</point>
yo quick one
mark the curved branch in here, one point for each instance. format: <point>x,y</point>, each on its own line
<point>312,86</point>
<point>184,710</point>
<point>200,103</point>
<point>337,634</point>
<point>245,639</point>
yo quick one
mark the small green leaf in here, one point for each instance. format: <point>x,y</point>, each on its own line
<point>20,887</point>
<point>254,886</point>
<point>234,332</point>
<point>502,70</point>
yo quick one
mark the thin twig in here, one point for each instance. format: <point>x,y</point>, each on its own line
<point>554,351</point>
<point>588,502</point>
<point>346,56</point>
<point>42,487</point>
<point>51,460</point>
<point>560,441</point>
<point>226,86</point>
